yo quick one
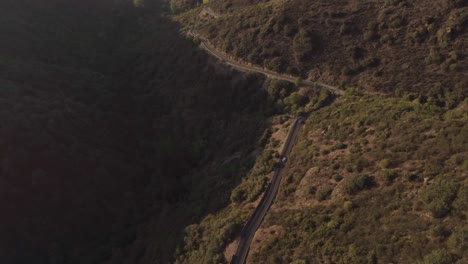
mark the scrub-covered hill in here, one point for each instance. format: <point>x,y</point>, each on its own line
<point>387,46</point>
<point>376,176</point>
<point>370,180</point>
<point>374,180</point>
<point>123,142</point>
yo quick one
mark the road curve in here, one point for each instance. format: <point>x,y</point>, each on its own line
<point>259,213</point>
<point>254,221</point>
<point>205,44</point>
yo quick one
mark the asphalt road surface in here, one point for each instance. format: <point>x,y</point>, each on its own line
<point>254,221</point>
<point>259,213</point>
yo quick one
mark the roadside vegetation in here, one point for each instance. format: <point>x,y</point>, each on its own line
<point>373,180</point>
<point>206,241</point>
<point>385,46</point>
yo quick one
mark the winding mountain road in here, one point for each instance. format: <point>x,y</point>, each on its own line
<point>224,58</point>
<point>256,218</point>
<point>248,232</point>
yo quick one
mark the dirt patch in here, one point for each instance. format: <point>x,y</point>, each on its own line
<point>280,133</point>
<point>412,165</point>
<point>261,236</point>
<point>307,181</point>
<point>231,249</point>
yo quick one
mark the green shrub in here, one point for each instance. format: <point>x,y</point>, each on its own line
<point>438,256</point>
<point>347,71</point>
<point>439,196</point>
<point>304,44</point>
<point>370,35</point>
<point>335,166</point>
<point>298,81</point>
<point>324,193</point>
<point>461,203</point>
<point>312,190</point>
<point>295,100</point>
<point>459,241</point>
<point>385,163</point>
<point>359,164</point>
<point>355,148</point>
<point>357,183</point>
<point>238,195</point>
<point>453,67</point>
<point>288,190</point>
<point>325,151</point>
<point>439,231</point>
<point>370,62</point>
<point>455,3</point>
<point>389,175</point>
<point>413,177</point>
<point>277,89</point>
<point>276,64</point>
<point>337,177</point>
<point>196,41</point>
<point>340,145</point>
<point>349,168</point>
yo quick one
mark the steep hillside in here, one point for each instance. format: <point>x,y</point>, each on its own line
<point>373,180</point>
<point>386,46</point>
<point>370,180</point>
<point>124,142</point>
<point>378,175</point>
<point>111,121</point>
<point>60,147</point>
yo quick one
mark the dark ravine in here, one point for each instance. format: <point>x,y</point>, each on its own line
<point>101,141</point>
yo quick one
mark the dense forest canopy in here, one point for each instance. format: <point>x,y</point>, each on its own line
<point>106,116</point>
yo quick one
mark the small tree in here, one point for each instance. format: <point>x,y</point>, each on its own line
<point>357,183</point>
<point>324,193</point>
<point>295,100</point>
<point>325,97</point>
<point>305,44</point>
<point>196,41</point>
<point>439,197</point>
<point>238,195</point>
